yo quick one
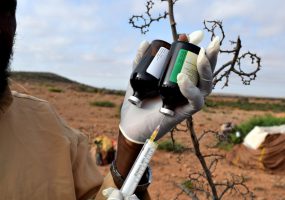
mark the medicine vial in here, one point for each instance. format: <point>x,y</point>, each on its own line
<point>145,77</point>
<point>181,58</point>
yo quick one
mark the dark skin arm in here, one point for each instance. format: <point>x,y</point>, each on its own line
<point>126,154</point>
<point>128,151</point>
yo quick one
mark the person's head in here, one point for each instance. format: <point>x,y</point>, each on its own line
<point>7,33</point>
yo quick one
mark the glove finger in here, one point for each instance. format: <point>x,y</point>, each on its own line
<point>116,195</point>
<point>126,103</point>
<point>141,50</point>
<point>205,73</point>
<point>190,91</point>
<point>196,37</point>
<point>107,192</point>
<point>212,52</point>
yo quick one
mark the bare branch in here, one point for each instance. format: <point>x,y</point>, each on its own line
<point>173,2</point>
<point>172,20</point>
<point>201,158</point>
<point>234,66</point>
<point>144,21</point>
<point>202,182</point>
<point>237,185</point>
<point>222,68</point>
<point>214,25</point>
<point>206,133</point>
<point>250,75</point>
<point>172,138</point>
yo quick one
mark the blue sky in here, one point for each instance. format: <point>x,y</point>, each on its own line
<point>90,41</point>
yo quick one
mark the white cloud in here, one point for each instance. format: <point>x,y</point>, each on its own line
<point>229,8</point>
<point>90,40</point>
<point>268,16</point>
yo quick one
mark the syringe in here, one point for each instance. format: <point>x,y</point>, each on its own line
<point>140,165</point>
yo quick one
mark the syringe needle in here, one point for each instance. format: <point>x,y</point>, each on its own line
<point>156,130</point>
<point>154,133</point>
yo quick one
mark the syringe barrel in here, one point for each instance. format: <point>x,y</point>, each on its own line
<point>138,168</point>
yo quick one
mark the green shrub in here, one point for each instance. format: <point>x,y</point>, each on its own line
<point>227,146</point>
<point>107,104</point>
<point>188,184</point>
<point>167,145</point>
<point>236,140</point>
<point>246,127</point>
<point>85,88</point>
<point>267,120</point>
<point>244,104</point>
<point>54,89</point>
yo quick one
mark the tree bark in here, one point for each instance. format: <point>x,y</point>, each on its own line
<point>172,20</point>
<point>201,158</point>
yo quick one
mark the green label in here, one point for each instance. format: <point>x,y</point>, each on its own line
<point>178,65</point>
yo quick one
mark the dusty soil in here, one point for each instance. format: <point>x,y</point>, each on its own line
<point>169,169</point>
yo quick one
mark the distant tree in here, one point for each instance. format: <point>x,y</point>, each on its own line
<point>222,75</point>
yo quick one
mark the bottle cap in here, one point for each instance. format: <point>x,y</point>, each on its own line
<point>167,111</point>
<point>134,100</point>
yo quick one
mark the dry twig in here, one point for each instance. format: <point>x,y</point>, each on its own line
<point>199,155</point>
<point>234,65</point>
<point>144,21</point>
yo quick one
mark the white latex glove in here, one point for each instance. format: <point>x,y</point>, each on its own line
<point>115,194</point>
<point>137,124</point>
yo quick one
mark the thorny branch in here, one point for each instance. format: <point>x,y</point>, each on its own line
<point>236,184</point>
<point>175,129</point>
<point>206,133</point>
<point>233,186</point>
<point>144,21</point>
<point>199,155</point>
<point>172,20</point>
<point>234,65</point>
<point>202,181</point>
<point>212,29</point>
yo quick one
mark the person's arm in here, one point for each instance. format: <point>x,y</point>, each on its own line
<point>128,151</point>
<point>86,175</point>
<point>137,124</point>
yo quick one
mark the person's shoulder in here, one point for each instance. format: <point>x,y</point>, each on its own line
<point>31,105</point>
<point>28,98</point>
<point>33,108</point>
<point>44,112</point>
<point>26,102</point>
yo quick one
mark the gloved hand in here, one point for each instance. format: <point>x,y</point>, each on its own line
<point>137,124</point>
<point>115,194</point>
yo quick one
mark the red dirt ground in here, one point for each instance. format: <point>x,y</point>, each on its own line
<point>169,169</point>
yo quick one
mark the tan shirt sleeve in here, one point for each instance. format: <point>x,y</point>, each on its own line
<point>86,175</point>
<point>87,178</point>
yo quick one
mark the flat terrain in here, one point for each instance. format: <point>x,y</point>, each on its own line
<point>169,169</point>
